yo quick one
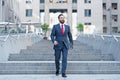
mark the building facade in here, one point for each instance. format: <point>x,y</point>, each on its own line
<point>89,13</point>
<point>76,12</point>
<point>102,14</point>
<point>29,11</point>
<point>111,16</point>
<point>9,11</point>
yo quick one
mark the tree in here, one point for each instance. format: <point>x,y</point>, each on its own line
<point>45,28</point>
<point>80,27</point>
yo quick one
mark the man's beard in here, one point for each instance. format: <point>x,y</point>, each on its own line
<point>62,21</point>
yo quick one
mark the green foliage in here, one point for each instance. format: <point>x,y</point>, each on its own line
<point>30,32</point>
<point>45,28</point>
<point>118,31</point>
<point>13,31</point>
<point>22,31</point>
<point>4,31</point>
<point>80,27</point>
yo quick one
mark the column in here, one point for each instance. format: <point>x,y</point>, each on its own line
<point>109,22</point>
<point>69,14</point>
<point>46,12</point>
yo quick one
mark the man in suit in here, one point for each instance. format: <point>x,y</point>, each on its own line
<point>60,35</point>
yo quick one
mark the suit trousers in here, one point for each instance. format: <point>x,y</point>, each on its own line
<point>64,51</point>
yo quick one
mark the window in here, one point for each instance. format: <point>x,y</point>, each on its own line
<point>58,10</point>
<point>104,29</point>
<point>87,1</point>
<point>74,1</point>
<point>28,12</point>
<point>60,1</point>
<point>28,1</point>
<point>114,6</point>
<point>104,18</point>
<point>87,12</point>
<point>114,18</point>
<point>114,29</point>
<point>41,1</point>
<point>88,23</point>
<point>42,11</point>
<point>3,3</point>
<point>104,6</point>
<point>74,11</point>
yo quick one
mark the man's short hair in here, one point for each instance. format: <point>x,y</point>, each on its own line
<point>60,15</point>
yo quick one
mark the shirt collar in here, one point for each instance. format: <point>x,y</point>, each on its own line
<point>61,24</point>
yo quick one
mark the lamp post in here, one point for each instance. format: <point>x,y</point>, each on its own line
<point>110,22</point>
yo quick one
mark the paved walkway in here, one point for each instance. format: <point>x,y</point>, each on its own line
<point>70,77</point>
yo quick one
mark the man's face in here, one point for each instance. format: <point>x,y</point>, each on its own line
<point>62,19</point>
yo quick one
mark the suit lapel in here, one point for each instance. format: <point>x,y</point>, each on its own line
<point>59,28</point>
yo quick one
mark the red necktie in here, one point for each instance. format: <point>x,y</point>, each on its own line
<point>62,29</point>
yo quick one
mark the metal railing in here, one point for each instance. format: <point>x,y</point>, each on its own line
<point>13,43</point>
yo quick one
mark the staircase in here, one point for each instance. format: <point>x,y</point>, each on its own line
<point>39,59</point>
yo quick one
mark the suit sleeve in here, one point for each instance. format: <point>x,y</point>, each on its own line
<point>53,34</point>
<point>70,36</point>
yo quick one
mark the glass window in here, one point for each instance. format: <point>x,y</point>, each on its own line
<point>28,1</point>
<point>41,1</point>
<point>87,1</point>
<point>74,11</point>
<point>3,3</point>
<point>104,6</point>
<point>114,6</point>
<point>104,29</point>
<point>104,18</point>
<point>114,18</point>
<point>42,10</point>
<point>114,29</point>
<point>28,12</point>
<point>88,23</point>
<point>60,1</point>
<point>87,12</point>
<point>74,1</point>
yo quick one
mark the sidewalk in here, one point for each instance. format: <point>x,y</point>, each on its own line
<point>70,77</point>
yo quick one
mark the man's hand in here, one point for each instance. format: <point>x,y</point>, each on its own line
<point>71,46</point>
<point>55,43</point>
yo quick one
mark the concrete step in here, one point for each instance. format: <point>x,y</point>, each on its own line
<point>47,46</point>
<point>50,57</point>
<point>45,42</point>
<point>51,48</point>
<point>23,51</point>
<point>48,67</point>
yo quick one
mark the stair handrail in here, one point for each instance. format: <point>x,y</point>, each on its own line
<point>11,36</point>
<point>115,37</point>
<point>6,37</point>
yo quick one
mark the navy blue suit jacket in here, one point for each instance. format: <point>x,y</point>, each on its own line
<point>65,38</point>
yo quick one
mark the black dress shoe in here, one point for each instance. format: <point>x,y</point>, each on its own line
<point>57,73</point>
<point>64,75</point>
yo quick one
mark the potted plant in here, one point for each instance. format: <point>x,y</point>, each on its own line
<point>45,28</point>
<point>80,27</point>
<point>13,31</point>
